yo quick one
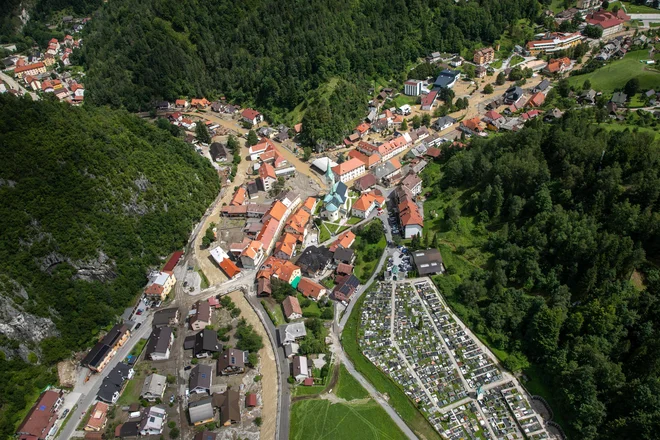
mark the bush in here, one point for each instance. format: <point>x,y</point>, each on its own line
<point>171,378</point>
<point>194,361</point>
<point>174,432</point>
<point>258,421</point>
<point>257,378</point>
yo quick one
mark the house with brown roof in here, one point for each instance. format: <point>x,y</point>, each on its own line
<point>536,100</point>
<point>344,269</point>
<point>291,308</point>
<point>202,316</point>
<point>252,116</point>
<point>239,196</point>
<point>229,405</point>
<point>160,286</point>
<point>283,270</point>
<point>349,170</point>
<point>412,183</point>
<point>232,361</point>
<point>285,248</point>
<point>345,240</point>
<point>365,182</point>
<point>40,419</point>
<point>267,177</point>
<point>484,56</point>
<point>263,287</point>
<point>252,255</point>
<point>311,289</point>
<point>300,369</point>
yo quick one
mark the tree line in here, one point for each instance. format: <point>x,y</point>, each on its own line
<point>570,211</point>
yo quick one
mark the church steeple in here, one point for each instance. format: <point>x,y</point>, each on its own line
<point>330,177</point>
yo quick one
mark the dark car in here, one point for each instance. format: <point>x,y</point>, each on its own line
<point>138,326</point>
<point>187,367</point>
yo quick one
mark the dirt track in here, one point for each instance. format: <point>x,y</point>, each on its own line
<point>268,369</point>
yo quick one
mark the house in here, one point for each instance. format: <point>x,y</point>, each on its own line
<point>285,248</point>
<point>345,240</point>
<point>113,382</point>
<point>252,116</point>
<point>202,316</point>
<point>542,86</point>
<point>314,260</point>
<point>344,269</point>
<point>410,218</point>
<point>205,435</point>
<point>365,182</point>
<point>345,288</point>
<point>153,387</point>
<point>344,255</point>
<point>98,418</point>
<point>267,177</point>
<point>283,270</point>
<point>300,370</point>
<point>99,356</point>
<point>554,42</point>
<point>239,196</point>
<point>128,430</point>
<point>433,152</point>
<point>291,308</point>
<point>232,361</point>
<point>160,286</point>
<point>513,94</point>
<point>229,405</point>
<point>41,418</point>
<point>224,262</point>
<point>484,56</point>
<point>619,98</point>
<point>29,69</point>
<point>480,72</point>
<point>364,206</point>
<point>447,79</point>
<point>413,87</point>
<point>160,341</point>
<point>413,183</point>
<point>559,65</point>
<point>362,129</point>
<point>457,61</point>
<point>536,100</point>
<point>428,262</point>
<point>292,332</point>
<point>200,103</point>
<point>349,170</point>
<point>153,421</point>
<point>201,412</point>
<point>263,287</point>
<point>252,255</point>
<point>200,379</point>
<point>311,289</point>
<point>206,343</point>
<point>388,171</point>
<point>472,126</point>
<point>428,100</point>
<point>181,103</point>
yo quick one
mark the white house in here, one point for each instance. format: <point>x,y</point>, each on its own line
<point>412,87</point>
<point>300,368</point>
<point>349,170</point>
<point>154,387</point>
<point>153,421</point>
<point>252,116</point>
<point>365,205</point>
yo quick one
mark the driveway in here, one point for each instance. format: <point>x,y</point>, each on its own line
<point>15,85</point>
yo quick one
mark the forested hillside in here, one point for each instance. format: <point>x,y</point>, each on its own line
<point>90,200</point>
<point>570,225</point>
<point>270,53</point>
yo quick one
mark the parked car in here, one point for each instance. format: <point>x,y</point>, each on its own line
<point>186,368</point>
<point>66,411</point>
<point>138,325</point>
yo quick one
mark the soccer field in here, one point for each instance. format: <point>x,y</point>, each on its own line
<point>321,419</point>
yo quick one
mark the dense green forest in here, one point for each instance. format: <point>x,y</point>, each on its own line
<point>75,183</point>
<point>568,280</point>
<point>271,53</point>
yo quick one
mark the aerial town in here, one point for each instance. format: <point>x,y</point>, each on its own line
<point>250,315</point>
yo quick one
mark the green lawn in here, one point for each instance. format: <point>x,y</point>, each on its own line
<point>515,60</point>
<point>365,266</point>
<point>132,391</point>
<point>312,308</point>
<point>301,390</point>
<point>348,387</point>
<point>397,398</point>
<point>615,74</point>
<point>404,99</point>
<point>320,419</point>
<point>275,310</point>
<point>354,220</point>
<point>139,346</point>
<point>205,281</point>
<point>497,64</point>
<point>636,9</point>
<point>613,126</point>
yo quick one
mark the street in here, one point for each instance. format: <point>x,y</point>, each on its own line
<point>14,85</point>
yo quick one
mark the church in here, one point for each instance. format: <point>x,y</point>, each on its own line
<point>335,203</point>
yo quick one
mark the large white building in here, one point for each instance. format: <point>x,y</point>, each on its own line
<point>349,170</point>
<point>412,87</point>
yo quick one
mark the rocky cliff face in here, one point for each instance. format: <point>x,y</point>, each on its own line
<point>20,331</point>
<point>101,268</point>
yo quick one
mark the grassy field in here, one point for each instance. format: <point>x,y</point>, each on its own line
<point>348,387</point>
<point>636,9</point>
<point>404,99</point>
<point>613,126</point>
<point>132,391</point>
<point>515,60</point>
<point>139,346</point>
<point>321,419</point>
<point>363,268</point>
<point>301,390</point>
<point>354,220</point>
<point>615,74</point>
<point>204,283</point>
<point>397,398</point>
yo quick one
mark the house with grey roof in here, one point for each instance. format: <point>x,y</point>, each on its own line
<point>200,379</point>
<point>154,387</point>
<point>206,343</point>
<point>160,341</point>
<point>291,332</point>
<point>201,412</point>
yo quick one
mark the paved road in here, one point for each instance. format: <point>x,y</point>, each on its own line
<point>15,85</point>
<point>89,389</point>
<point>377,397</point>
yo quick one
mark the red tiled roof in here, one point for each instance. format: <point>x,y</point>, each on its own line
<point>250,114</point>
<point>229,268</point>
<point>239,196</point>
<point>291,306</point>
<point>267,170</point>
<point>433,152</point>
<point>171,263</point>
<point>348,166</point>
<point>27,67</point>
<point>310,288</point>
